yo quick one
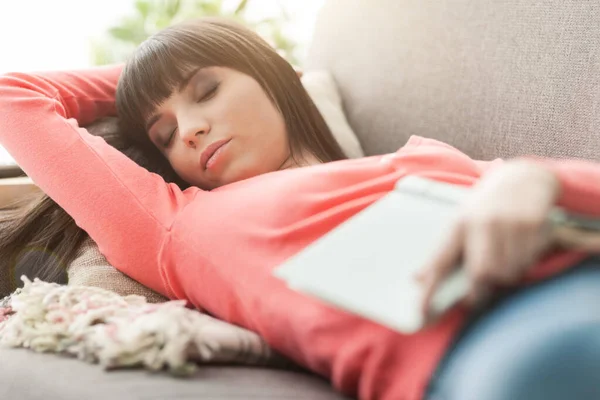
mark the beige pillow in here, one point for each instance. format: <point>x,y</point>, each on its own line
<point>323,90</point>
<point>90,268</point>
<point>225,342</point>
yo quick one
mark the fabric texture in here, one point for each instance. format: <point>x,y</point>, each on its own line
<point>542,343</point>
<point>6,282</point>
<point>323,90</point>
<point>492,78</point>
<point>226,342</point>
<point>204,248</point>
<point>98,325</point>
<point>34,376</point>
<point>90,268</point>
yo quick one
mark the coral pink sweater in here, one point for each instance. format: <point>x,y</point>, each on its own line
<point>217,249</point>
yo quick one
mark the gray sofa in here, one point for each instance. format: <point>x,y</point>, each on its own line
<point>493,78</point>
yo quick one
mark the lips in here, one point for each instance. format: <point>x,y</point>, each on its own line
<point>210,151</point>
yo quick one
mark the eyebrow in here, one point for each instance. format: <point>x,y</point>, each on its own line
<point>186,79</point>
<point>182,85</point>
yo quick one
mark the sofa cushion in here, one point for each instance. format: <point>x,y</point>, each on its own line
<point>26,375</point>
<point>90,268</point>
<point>493,78</point>
<point>324,92</point>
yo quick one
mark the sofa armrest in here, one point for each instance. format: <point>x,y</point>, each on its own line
<point>10,171</point>
<point>12,190</point>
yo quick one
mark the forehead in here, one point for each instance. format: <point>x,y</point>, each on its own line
<point>196,75</point>
<point>181,91</point>
<point>188,78</point>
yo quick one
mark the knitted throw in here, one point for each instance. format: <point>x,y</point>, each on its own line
<point>98,325</point>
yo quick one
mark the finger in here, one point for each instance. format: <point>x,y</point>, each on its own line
<point>528,245</point>
<point>576,239</point>
<point>482,294</point>
<point>532,246</point>
<point>484,254</point>
<point>441,265</point>
<point>516,246</point>
<point>520,248</point>
<point>421,276</point>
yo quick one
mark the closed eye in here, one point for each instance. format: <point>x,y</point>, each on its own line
<point>207,96</point>
<point>170,138</point>
<point>210,94</point>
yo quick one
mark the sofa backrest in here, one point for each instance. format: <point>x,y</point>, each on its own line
<point>493,78</point>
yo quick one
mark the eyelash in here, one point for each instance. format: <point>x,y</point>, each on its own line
<point>210,94</point>
<point>170,138</point>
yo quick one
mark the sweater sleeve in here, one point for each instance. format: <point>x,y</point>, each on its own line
<point>580,184</point>
<point>123,207</point>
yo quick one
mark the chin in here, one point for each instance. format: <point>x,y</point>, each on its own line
<point>237,173</point>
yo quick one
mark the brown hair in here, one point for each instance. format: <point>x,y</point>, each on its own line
<point>159,65</point>
<point>39,239</point>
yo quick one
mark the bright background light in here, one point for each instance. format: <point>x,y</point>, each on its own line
<point>39,35</point>
<point>45,35</point>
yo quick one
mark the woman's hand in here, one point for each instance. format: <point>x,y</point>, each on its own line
<point>501,232</point>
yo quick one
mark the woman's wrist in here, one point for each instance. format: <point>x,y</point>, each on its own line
<point>538,173</point>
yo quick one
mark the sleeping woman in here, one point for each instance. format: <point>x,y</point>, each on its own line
<point>217,107</point>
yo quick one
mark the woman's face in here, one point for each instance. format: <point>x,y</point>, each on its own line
<point>219,127</point>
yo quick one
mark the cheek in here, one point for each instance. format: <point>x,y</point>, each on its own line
<point>256,116</point>
<point>269,136</point>
<point>278,140</point>
<point>259,127</point>
<point>180,167</point>
<point>271,126</point>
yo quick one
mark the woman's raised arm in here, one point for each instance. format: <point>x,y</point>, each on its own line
<point>123,207</point>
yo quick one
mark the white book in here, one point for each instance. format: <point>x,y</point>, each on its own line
<point>367,265</point>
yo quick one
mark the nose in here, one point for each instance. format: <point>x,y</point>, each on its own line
<point>191,131</point>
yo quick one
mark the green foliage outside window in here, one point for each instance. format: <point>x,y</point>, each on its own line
<point>151,16</point>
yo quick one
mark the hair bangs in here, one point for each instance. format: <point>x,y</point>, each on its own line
<point>161,64</point>
<point>151,76</point>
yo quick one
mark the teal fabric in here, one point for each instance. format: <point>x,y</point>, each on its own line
<point>541,343</point>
